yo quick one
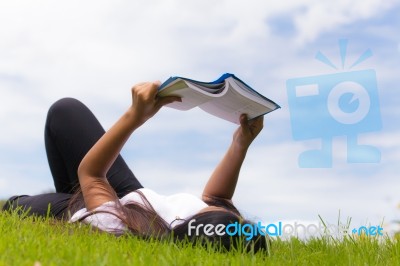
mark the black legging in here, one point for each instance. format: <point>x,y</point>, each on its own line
<point>71,130</point>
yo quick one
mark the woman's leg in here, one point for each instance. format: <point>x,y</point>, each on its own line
<point>50,204</point>
<point>71,130</point>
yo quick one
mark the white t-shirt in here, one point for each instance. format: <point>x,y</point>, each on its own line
<point>170,208</point>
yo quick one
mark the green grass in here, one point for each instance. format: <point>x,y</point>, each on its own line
<point>48,242</point>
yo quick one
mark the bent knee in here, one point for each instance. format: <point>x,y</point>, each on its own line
<point>65,108</point>
<point>64,104</point>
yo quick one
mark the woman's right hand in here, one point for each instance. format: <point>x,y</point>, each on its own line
<point>146,103</point>
<point>248,131</point>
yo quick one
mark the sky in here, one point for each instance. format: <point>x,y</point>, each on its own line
<point>96,51</point>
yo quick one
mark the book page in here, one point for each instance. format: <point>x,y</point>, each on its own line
<point>232,104</point>
<point>252,94</point>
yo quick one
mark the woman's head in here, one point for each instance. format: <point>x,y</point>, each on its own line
<point>221,228</point>
<point>217,225</point>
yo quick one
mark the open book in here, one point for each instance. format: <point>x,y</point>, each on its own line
<point>227,97</point>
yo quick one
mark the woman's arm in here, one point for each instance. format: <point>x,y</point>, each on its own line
<point>96,163</point>
<point>222,182</point>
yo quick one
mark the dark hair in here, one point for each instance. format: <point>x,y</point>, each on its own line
<point>143,220</point>
<point>222,241</point>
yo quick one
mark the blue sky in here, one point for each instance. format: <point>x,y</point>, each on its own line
<point>96,50</point>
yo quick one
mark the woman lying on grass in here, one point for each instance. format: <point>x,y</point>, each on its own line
<point>94,184</point>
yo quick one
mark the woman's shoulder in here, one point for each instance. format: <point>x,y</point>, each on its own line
<point>105,217</point>
<point>137,196</point>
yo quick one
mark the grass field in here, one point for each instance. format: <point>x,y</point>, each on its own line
<point>32,241</point>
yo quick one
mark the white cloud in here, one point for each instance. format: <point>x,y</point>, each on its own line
<point>323,16</point>
<point>96,50</point>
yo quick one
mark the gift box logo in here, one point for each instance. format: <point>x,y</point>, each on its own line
<point>340,104</point>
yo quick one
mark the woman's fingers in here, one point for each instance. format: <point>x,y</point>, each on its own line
<point>161,101</point>
<point>243,120</point>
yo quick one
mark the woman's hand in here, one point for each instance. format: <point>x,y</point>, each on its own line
<point>146,103</point>
<point>248,131</point>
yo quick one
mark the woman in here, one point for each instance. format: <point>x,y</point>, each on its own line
<point>95,186</point>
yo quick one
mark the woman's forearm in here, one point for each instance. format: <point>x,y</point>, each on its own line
<point>222,183</point>
<point>145,104</point>
<point>94,166</point>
